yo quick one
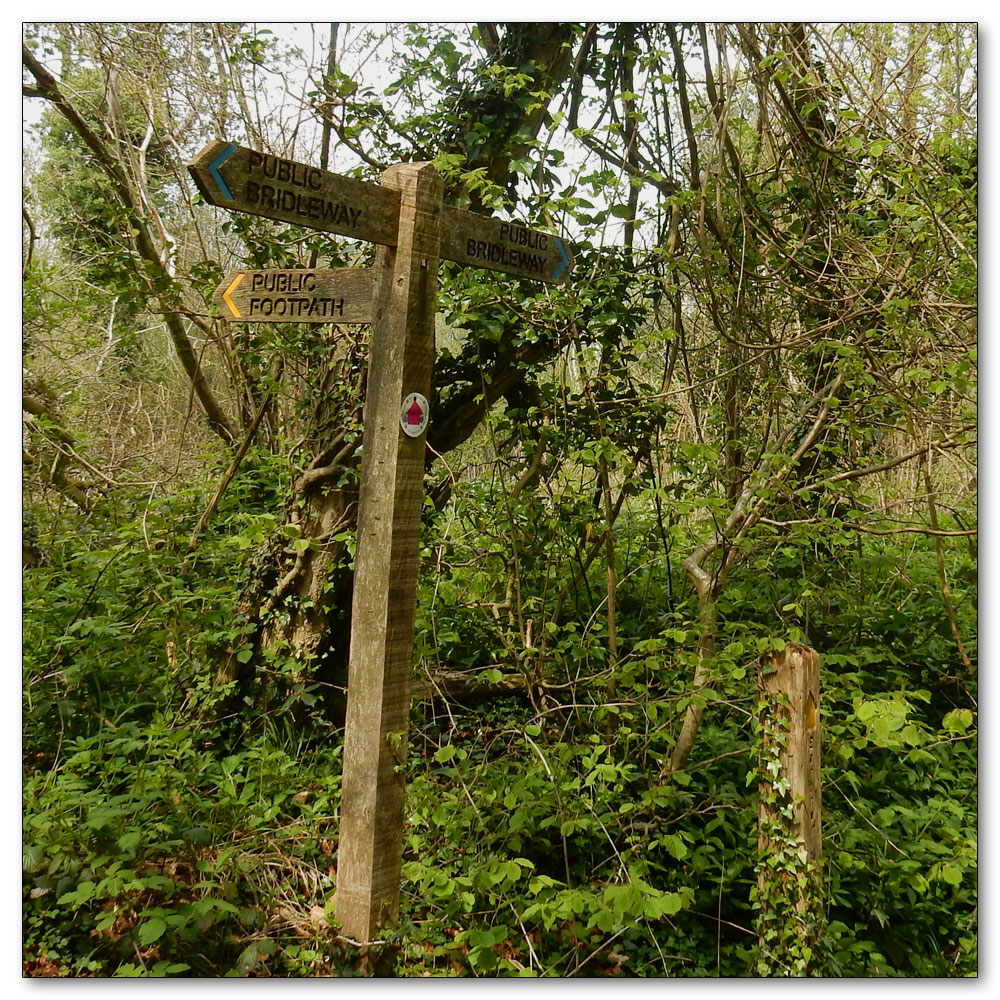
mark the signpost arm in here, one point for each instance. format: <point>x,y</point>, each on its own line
<point>386,562</point>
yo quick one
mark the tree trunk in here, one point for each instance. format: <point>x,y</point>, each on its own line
<point>707,625</point>
<point>297,604</point>
<point>165,293</point>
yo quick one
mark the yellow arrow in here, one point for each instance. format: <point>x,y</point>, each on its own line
<point>225,295</point>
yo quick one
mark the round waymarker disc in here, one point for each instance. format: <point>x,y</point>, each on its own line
<point>414,414</point>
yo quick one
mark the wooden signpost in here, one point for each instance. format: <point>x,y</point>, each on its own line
<point>479,241</point>
<point>387,562</point>
<point>406,216</point>
<point>244,180</point>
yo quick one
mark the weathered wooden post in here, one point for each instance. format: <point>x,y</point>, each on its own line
<point>386,563</point>
<point>789,834</point>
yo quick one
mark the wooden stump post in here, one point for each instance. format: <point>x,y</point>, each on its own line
<point>386,561</point>
<point>790,835</point>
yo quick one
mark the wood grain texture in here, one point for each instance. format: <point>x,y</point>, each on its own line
<point>273,187</point>
<point>246,180</point>
<point>386,564</point>
<point>342,295</point>
<point>498,245</point>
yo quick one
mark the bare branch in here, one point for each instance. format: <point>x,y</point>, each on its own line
<point>49,89</point>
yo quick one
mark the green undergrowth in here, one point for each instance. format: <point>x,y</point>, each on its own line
<point>164,836</point>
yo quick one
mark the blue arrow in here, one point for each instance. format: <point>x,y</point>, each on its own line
<point>213,169</point>
<point>565,260</point>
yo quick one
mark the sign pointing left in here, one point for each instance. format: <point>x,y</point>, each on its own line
<point>213,169</point>
<point>245,180</point>
<point>343,295</point>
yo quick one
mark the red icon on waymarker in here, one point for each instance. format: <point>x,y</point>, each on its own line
<point>414,414</point>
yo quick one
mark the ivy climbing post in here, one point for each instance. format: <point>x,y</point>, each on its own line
<point>790,834</point>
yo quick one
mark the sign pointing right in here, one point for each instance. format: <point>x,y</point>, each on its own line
<point>482,241</point>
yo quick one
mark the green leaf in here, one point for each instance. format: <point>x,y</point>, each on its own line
<point>665,904</point>
<point>952,874</point>
<point>675,846</point>
<point>129,841</point>
<point>80,895</point>
<point>512,871</point>
<point>167,968</point>
<point>957,721</point>
<point>152,930</point>
<point>248,958</point>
